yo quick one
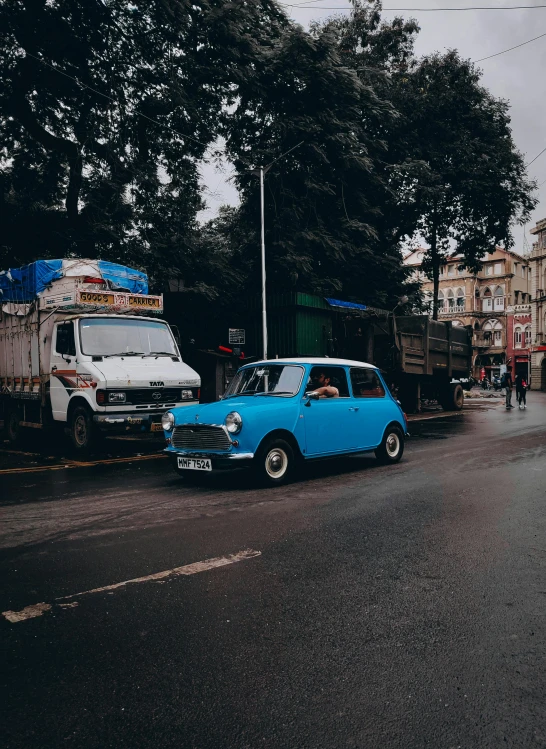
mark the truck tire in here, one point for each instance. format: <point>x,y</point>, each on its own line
<point>81,429</point>
<point>452,398</point>
<point>13,425</point>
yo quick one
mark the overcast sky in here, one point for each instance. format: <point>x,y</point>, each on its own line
<point>515,76</point>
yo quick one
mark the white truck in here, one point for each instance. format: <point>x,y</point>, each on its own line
<point>81,346</point>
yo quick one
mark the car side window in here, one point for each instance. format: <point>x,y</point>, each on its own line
<point>366,384</point>
<point>328,376</point>
<point>65,343</point>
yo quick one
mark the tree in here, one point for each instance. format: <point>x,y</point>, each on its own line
<point>323,199</point>
<point>467,181</point>
<point>107,109</point>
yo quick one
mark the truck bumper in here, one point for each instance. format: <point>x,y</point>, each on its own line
<point>129,422</point>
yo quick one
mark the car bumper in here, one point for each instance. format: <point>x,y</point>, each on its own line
<point>218,461</point>
<point>129,422</point>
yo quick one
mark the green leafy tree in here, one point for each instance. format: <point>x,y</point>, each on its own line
<point>466,181</point>
<point>107,108</point>
<point>323,200</point>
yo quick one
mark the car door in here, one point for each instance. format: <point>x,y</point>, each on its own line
<point>371,399</point>
<point>330,423</point>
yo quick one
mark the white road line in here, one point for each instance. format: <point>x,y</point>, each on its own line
<point>29,612</point>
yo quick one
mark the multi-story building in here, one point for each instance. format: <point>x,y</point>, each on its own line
<point>538,265</point>
<point>496,302</point>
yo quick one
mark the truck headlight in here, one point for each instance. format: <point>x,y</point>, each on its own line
<point>117,397</point>
<point>234,422</point>
<point>186,395</point>
<point>167,421</point>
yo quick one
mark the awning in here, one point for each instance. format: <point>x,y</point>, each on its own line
<point>345,305</point>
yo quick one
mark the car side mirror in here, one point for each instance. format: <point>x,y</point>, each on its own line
<point>311,397</point>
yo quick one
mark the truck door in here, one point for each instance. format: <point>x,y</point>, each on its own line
<point>63,368</point>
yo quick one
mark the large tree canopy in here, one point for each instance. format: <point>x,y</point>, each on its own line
<point>106,110</point>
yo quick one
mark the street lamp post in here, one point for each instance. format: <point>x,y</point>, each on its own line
<point>262,171</point>
<point>264,306</point>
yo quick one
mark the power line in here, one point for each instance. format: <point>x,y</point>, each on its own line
<point>536,157</point>
<point>510,48</point>
<point>419,10</point>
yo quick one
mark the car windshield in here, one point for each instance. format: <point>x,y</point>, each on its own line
<point>111,336</point>
<point>270,379</point>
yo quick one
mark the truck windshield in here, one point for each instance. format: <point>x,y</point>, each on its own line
<point>121,337</point>
<point>270,379</point>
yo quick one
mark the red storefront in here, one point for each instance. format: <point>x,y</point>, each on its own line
<point>518,344</point>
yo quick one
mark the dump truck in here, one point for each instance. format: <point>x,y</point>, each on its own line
<point>82,346</point>
<point>421,358</point>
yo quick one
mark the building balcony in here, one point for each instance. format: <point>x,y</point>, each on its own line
<point>519,308</point>
<point>483,341</point>
<point>458,309</point>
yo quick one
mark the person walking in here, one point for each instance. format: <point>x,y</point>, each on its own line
<point>521,391</point>
<point>507,384</point>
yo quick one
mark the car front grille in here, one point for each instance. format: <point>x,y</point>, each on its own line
<point>200,437</point>
<point>139,396</point>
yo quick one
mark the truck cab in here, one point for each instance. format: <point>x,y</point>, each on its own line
<point>116,374</point>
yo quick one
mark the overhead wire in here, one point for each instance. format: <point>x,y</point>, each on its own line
<point>504,51</point>
<point>303,6</point>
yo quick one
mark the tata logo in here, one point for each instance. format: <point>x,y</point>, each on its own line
<point>157,384</point>
<point>156,396</point>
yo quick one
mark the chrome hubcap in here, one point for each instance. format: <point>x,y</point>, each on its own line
<point>276,463</point>
<point>393,445</point>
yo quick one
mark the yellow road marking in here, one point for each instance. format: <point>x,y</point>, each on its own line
<point>78,464</point>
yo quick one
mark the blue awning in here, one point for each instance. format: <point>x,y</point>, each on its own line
<point>345,305</point>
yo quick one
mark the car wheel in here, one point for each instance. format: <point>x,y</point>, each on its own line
<point>391,448</point>
<point>275,462</point>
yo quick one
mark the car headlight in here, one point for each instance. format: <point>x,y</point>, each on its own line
<point>167,421</point>
<point>117,397</point>
<point>234,422</point>
<point>186,395</point>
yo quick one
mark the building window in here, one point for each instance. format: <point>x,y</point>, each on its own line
<point>450,300</point>
<point>460,299</point>
<point>451,270</point>
<point>523,271</point>
<point>442,271</point>
<point>498,269</point>
<point>528,336</point>
<point>440,300</point>
<point>517,338</point>
<point>497,337</point>
<point>460,270</point>
<point>488,270</point>
<point>499,298</point>
<point>487,304</point>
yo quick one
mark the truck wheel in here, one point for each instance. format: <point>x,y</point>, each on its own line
<point>13,426</point>
<point>452,399</point>
<point>81,429</point>
<point>275,462</point>
<point>391,448</point>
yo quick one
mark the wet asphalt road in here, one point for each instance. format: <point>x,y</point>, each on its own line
<point>398,606</point>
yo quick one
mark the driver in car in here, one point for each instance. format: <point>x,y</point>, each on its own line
<point>321,384</point>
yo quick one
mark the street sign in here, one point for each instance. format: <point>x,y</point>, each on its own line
<point>237,336</point>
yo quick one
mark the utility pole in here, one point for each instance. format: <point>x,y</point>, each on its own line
<point>264,306</point>
<point>262,171</point>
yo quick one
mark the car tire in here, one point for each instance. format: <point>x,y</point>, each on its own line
<point>391,448</point>
<point>275,462</point>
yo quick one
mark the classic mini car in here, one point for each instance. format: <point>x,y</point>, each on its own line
<point>276,414</point>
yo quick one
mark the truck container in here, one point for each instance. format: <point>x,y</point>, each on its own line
<point>82,346</point>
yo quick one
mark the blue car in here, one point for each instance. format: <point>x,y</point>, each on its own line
<point>277,414</point>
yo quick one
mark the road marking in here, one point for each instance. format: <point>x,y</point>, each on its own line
<point>81,464</point>
<point>37,609</point>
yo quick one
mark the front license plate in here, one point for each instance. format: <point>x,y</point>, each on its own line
<point>195,464</point>
<point>157,428</point>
